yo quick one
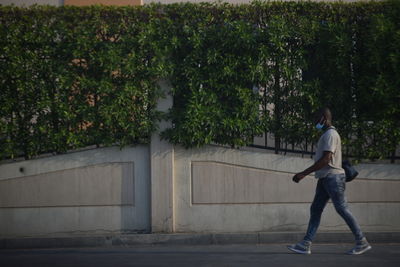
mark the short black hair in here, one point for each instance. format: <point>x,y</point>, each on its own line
<point>326,112</point>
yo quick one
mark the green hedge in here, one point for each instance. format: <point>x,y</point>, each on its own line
<point>73,76</point>
<point>300,56</point>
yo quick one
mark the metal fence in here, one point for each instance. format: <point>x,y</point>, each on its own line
<point>306,149</point>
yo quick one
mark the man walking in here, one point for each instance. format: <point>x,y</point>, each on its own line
<point>331,185</point>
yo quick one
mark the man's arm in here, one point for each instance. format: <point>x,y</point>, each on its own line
<point>319,164</point>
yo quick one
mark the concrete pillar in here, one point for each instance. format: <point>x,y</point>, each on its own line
<point>162,172</point>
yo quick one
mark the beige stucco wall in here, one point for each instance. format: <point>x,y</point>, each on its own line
<point>98,191</point>
<point>212,189</point>
<point>229,190</point>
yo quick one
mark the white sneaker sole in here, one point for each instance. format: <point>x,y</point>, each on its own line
<point>351,252</point>
<point>299,251</point>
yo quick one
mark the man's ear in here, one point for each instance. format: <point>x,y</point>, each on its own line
<point>322,119</point>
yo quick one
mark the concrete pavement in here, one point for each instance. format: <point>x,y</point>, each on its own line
<point>381,255</point>
<point>188,239</point>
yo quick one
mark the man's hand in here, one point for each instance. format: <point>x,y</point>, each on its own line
<point>321,163</point>
<point>298,177</point>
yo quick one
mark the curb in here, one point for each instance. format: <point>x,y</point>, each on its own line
<point>189,239</point>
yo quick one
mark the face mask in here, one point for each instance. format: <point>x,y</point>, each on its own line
<point>319,126</point>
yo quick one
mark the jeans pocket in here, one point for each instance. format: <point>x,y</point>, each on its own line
<point>335,184</point>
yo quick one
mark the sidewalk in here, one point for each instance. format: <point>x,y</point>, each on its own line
<point>244,255</point>
<point>190,239</point>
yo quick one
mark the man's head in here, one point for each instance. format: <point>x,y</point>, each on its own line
<point>323,117</point>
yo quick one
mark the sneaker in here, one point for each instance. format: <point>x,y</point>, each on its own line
<point>360,247</point>
<point>303,247</point>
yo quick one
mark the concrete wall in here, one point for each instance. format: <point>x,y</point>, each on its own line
<point>226,190</point>
<point>32,2</point>
<point>212,189</point>
<point>97,191</point>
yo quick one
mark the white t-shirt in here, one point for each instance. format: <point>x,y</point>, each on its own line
<point>329,141</point>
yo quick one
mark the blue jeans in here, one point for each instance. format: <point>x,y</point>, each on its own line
<point>331,187</point>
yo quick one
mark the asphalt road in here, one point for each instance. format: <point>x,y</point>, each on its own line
<point>381,255</point>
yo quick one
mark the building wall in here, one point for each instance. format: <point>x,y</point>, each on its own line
<point>103,2</point>
<point>125,2</point>
<point>232,1</point>
<point>71,2</point>
<point>32,2</point>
